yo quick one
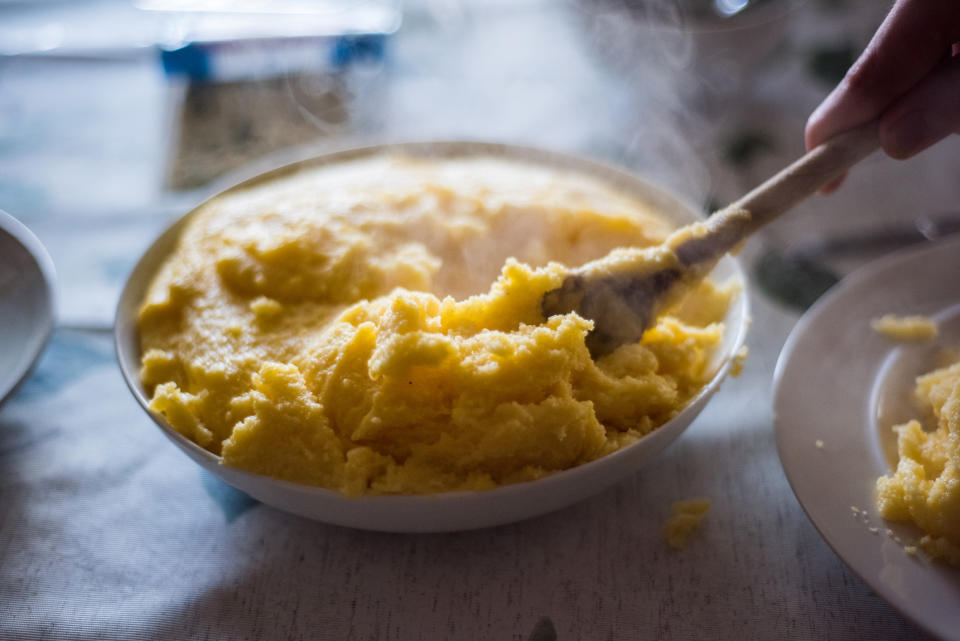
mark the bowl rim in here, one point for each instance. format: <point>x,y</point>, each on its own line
<point>306,158</point>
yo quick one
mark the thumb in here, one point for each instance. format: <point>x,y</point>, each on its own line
<point>929,112</point>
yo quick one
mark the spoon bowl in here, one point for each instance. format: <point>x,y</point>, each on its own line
<point>624,295</point>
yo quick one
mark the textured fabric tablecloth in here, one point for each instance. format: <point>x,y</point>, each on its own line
<point>107,531</point>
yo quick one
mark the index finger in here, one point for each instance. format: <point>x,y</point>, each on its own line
<point>913,38</point>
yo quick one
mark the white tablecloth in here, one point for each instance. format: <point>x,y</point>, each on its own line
<point>108,532</point>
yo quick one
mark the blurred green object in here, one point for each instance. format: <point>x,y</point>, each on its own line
<point>797,277</point>
<point>741,148</point>
<point>792,280</point>
<point>829,64</point>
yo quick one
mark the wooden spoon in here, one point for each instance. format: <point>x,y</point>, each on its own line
<point>624,292</point>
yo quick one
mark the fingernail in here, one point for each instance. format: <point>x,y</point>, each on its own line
<point>909,134</point>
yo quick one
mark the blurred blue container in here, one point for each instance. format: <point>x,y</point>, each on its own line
<point>248,39</point>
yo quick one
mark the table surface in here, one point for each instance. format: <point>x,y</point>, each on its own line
<point>108,532</point>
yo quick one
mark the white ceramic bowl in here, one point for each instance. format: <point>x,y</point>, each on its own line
<point>26,302</point>
<point>454,510</point>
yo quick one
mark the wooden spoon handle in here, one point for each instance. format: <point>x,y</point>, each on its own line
<point>815,169</point>
<point>730,226</point>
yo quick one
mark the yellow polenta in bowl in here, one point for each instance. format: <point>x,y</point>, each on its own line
<point>371,325</point>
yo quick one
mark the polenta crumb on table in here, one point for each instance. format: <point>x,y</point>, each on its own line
<point>685,517</point>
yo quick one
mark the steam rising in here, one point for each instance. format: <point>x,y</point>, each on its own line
<point>609,78</point>
<point>652,58</point>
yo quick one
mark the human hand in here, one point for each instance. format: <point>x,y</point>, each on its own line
<point>908,77</point>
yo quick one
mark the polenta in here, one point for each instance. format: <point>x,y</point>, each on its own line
<point>337,327</point>
<point>905,328</point>
<point>925,487</point>
<point>685,518</point>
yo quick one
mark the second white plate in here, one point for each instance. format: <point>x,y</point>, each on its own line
<point>839,382</point>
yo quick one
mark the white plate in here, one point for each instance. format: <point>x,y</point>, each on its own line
<point>26,302</point>
<point>840,382</point>
<point>453,510</point>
